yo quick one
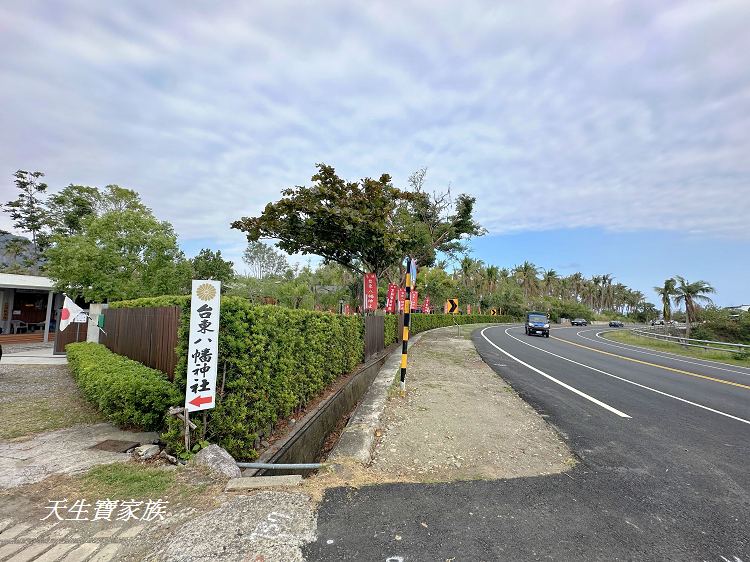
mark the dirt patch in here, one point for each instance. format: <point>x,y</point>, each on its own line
<point>460,421</point>
<point>38,398</point>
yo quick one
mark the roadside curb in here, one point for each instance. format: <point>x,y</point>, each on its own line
<point>357,439</point>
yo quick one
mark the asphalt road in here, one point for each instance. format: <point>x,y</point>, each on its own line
<point>664,473</point>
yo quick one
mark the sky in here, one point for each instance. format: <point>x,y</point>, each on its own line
<point>601,137</point>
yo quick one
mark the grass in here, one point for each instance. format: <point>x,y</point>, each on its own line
<point>127,480</point>
<point>27,417</point>
<point>625,336</point>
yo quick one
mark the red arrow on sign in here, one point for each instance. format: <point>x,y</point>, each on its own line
<point>200,400</point>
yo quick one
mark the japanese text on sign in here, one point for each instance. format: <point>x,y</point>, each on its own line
<point>371,292</point>
<point>203,353</point>
<point>390,300</point>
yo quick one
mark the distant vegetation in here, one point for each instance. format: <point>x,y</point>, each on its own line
<point>105,244</point>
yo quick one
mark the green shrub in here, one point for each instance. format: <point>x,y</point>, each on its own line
<point>277,359</point>
<point>423,322</point>
<point>148,302</point>
<point>391,327</point>
<point>127,392</point>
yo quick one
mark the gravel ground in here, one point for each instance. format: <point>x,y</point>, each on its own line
<point>459,420</point>
<point>39,398</point>
<point>22,347</point>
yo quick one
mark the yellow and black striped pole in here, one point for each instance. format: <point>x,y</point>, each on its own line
<point>407,323</point>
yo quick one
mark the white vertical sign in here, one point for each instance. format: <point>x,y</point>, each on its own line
<point>203,353</point>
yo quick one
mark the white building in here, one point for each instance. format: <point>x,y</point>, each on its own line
<point>27,304</point>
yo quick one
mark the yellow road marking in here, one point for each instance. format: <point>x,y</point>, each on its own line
<point>680,371</point>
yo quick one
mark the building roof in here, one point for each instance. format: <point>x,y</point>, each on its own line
<point>13,281</point>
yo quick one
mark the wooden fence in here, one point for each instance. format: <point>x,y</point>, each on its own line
<point>374,335</point>
<point>75,332</point>
<point>147,335</point>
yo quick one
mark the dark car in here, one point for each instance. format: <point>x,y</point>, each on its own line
<point>537,323</point>
<point>616,324</point>
<point>579,322</point>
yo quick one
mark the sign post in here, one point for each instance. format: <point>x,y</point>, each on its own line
<point>411,279</point>
<point>203,352</point>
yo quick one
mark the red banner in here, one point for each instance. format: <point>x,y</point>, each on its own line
<point>401,298</point>
<point>426,305</point>
<point>347,310</point>
<point>414,300</point>
<point>390,299</point>
<point>468,309</point>
<point>371,292</point>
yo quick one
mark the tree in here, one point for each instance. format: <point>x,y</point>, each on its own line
<point>435,222</point>
<point>550,279</point>
<point>349,223</point>
<point>666,293</point>
<point>364,226</point>
<point>27,211</point>
<point>691,294</point>
<point>263,260</point>
<point>526,274</point>
<point>67,208</point>
<point>210,265</point>
<point>119,255</point>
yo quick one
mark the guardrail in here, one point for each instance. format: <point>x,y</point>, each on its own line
<point>691,342</point>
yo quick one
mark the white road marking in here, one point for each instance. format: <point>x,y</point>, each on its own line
<point>665,355</point>
<point>553,379</point>
<point>107,533</point>
<point>55,552</point>
<point>82,552</point>
<point>14,531</point>
<point>10,548</point>
<point>132,532</point>
<point>32,552</point>
<point>39,531</point>
<point>632,382</point>
<point>106,553</point>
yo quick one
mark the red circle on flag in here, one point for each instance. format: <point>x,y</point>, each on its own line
<point>65,314</point>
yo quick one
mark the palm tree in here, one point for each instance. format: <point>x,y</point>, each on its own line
<point>691,294</point>
<point>549,280</point>
<point>469,268</point>
<point>577,283</point>
<point>491,274</point>
<point>666,293</point>
<point>526,274</point>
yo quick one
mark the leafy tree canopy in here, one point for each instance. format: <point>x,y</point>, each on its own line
<point>27,211</point>
<point>119,254</point>
<point>263,260</point>
<point>366,225</point>
<point>210,265</point>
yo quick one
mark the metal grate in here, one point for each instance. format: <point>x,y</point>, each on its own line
<point>115,445</point>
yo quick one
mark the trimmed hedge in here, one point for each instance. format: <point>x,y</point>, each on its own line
<point>390,325</point>
<point>423,322</point>
<point>127,392</point>
<point>277,359</point>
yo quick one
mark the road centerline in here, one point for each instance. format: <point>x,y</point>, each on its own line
<point>556,381</point>
<point>708,363</point>
<point>672,369</point>
<point>701,406</point>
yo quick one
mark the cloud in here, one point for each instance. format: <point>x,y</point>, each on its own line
<point>620,115</point>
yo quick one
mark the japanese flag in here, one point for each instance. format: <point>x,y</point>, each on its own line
<point>69,313</point>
